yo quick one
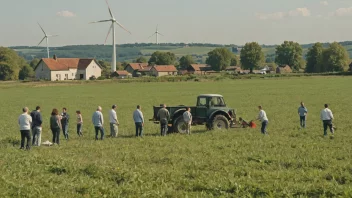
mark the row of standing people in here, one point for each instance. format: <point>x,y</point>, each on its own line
<point>33,122</point>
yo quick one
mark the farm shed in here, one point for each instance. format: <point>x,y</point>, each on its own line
<point>198,68</point>
<point>121,74</point>
<point>57,69</point>
<point>163,70</point>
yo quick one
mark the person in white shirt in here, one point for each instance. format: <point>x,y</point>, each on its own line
<point>114,123</point>
<point>264,119</point>
<point>326,116</point>
<point>25,122</point>
<point>187,117</point>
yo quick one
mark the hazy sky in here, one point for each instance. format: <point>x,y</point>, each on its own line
<point>210,21</point>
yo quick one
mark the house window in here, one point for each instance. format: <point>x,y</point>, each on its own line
<point>66,76</point>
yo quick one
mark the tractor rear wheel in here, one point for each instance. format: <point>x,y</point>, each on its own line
<point>220,122</point>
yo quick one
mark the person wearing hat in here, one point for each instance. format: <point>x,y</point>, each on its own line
<point>114,123</point>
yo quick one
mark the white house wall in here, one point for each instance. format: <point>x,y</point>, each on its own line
<point>93,70</point>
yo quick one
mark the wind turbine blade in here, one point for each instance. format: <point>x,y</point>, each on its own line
<point>41,40</point>
<point>112,16</point>
<point>160,34</point>
<point>152,35</point>
<point>108,34</point>
<point>52,35</point>
<point>41,28</point>
<point>157,27</point>
<point>101,21</point>
<point>122,27</point>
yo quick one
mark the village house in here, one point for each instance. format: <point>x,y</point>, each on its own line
<point>163,70</point>
<point>198,69</point>
<point>134,68</point>
<point>57,69</point>
<point>283,69</point>
<point>121,74</point>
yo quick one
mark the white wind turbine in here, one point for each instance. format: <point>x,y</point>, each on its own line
<point>46,36</point>
<point>113,21</point>
<point>157,33</point>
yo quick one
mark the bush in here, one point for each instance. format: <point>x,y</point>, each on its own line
<point>92,78</point>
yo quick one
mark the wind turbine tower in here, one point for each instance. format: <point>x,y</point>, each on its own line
<point>46,37</point>
<point>112,27</point>
<point>157,33</point>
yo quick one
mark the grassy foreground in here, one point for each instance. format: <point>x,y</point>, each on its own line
<point>235,163</point>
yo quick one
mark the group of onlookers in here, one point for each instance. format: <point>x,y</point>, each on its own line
<point>33,122</point>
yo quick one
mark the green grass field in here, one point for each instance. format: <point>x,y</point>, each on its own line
<point>235,163</point>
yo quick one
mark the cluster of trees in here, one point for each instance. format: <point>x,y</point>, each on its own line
<point>319,59</point>
<point>14,67</point>
<point>332,59</point>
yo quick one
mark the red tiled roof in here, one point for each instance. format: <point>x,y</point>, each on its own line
<point>138,66</point>
<point>200,67</point>
<point>146,69</point>
<point>165,68</point>
<point>66,63</point>
<point>122,73</point>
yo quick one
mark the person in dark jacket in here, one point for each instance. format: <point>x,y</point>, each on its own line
<point>36,126</point>
<point>55,126</point>
<point>64,122</point>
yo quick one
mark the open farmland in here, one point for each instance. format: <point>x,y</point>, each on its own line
<point>235,163</point>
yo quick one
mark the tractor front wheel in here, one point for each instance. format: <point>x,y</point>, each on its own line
<point>220,122</point>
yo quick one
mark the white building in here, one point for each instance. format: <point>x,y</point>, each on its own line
<point>56,69</point>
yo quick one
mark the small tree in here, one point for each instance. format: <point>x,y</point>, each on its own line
<point>162,58</point>
<point>185,61</point>
<point>335,58</point>
<point>141,59</point>
<point>26,72</point>
<point>289,53</point>
<point>219,58</point>
<point>252,56</point>
<point>313,57</point>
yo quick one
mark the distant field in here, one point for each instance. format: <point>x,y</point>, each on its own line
<point>235,163</point>
<point>185,51</point>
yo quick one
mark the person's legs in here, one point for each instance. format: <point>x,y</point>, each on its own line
<point>325,126</point>
<point>96,132</point>
<point>136,125</point>
<point>54,135</point>
<point>34,136</point>
<point>102,132</point>
<point>22,139</point>
<point>28,137</point>
<point>140,129</point>
<point>66,131</point>
<point>331,127</point>
<point>301,121</point>
<point>264,125</point>
<point>58,136</point>
<point>116,129</point>
<point>112,130</point>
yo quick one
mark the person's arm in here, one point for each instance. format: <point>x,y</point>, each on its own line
<point>30,120</point>
<point>321,115</point>
<point>40,119</point>
<point>67,118</point>
<point>141,114</point>
<point>115,117</point>
<point>259,115</point>
<point>81,119</point>
<point>58,121</point>
<point>331,115</point>
<point>101,118</point>
<point>168,115</point>
<point>19,122</point>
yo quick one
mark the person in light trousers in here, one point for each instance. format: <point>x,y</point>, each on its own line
<point>114,123</point>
